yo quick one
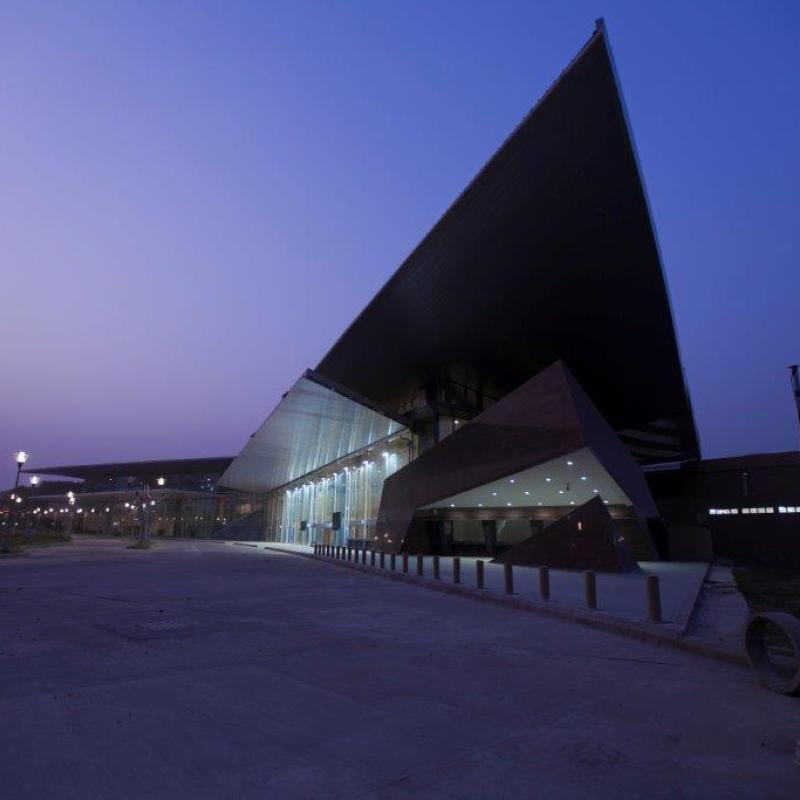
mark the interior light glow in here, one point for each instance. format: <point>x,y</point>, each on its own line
<point>494,494</point>
<point>527,492</point>
<point>569,463</point>
<point>548,480</point>
<point>511,480</point>
<point>583,477</point>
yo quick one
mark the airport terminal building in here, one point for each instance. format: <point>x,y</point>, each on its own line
<point>520,363</point>
<point>519,369</point>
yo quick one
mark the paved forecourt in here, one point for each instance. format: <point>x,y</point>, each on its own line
<point>206,670</point>
<point>621,595</point>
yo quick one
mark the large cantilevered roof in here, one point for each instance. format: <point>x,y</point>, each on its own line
<point>549,253</point>
<point>144,469</point>
<point>315,423</point>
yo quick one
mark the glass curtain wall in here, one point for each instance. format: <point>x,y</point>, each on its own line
<point>338,502</point>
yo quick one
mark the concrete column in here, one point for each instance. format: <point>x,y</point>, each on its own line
<point>436,568</point>
<point>372,558</point>
<point>383,560</point>
<point>392,562</point>
<point>479,574</point>
<point>446,536</point>
<point>456,569</point>
<point>490,536</point>
<point>405,562</point>
<point>419,566</point>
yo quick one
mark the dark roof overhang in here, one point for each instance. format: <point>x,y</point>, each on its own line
<point>549,253</point>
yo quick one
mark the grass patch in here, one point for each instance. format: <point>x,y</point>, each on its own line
<point>144,544</point>
<point>19,541</point>
<point>769,587</point>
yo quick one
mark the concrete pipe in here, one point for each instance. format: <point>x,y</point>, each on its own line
<point>775,662</point>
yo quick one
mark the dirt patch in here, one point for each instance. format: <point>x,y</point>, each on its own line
<point>769,587</point>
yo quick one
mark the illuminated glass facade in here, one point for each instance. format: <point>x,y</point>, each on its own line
<point>338,502</point>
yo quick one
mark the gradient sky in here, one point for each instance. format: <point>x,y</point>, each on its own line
<point>198,197</point>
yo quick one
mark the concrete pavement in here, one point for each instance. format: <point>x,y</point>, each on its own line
<point>204,670</point>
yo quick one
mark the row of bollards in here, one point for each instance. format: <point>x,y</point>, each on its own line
<point>653,591</point>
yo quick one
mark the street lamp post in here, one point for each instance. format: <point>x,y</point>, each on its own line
<point>21,457</point>
<point>71,498</point>
<point>37,521</point>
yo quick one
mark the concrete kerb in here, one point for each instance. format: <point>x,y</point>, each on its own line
<point>685,614</point>
<point>672,636</point>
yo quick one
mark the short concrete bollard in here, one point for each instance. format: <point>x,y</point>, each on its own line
<point>419,566</point>
<point>364,556</point>
<point>392,562</point>
<point>479,574</point>
<point>544,583</point>
<point>383,560</point>
<point>590,585</point>
<point>349,554</point>
<point>653,598</point>
<point>372,558</point>
<point>405,562</point>
<point>508,575</point>
<point>456,570</point>
<point>436,568</point>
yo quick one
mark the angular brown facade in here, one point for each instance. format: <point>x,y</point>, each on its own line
<point>548,418</point>
<point>586,538</point>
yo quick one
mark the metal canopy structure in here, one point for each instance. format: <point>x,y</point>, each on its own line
<point>549,253</point>
<point>154,469</point>
<point>315,424</point>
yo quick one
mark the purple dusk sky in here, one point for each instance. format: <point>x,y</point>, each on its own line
<point>198,197</point>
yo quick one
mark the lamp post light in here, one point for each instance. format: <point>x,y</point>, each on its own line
<point>71,499</point>
<point>37,521</point>
<point>21,457</point>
